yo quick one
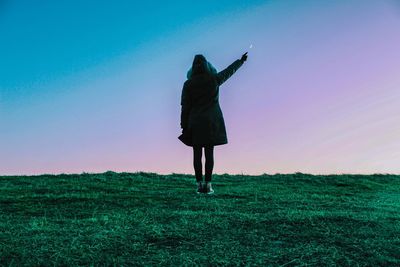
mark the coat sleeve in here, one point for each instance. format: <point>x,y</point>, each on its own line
<point>224,75</point>
<point>185,106</point>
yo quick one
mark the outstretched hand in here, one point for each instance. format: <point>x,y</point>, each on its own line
<point>244,57</point>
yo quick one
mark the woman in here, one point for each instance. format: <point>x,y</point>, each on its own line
<point>202,121</point>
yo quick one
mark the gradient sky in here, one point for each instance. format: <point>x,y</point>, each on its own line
<point>91,86</point>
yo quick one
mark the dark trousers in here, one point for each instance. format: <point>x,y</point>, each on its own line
<point>197,162</point>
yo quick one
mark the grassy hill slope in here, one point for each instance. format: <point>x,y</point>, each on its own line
<point>149,219</point>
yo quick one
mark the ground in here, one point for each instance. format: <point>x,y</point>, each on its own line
<point>136,219</point>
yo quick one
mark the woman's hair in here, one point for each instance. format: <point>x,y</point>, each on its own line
<point>200,65</point>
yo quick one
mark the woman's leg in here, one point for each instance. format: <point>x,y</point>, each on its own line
<point>197,164</point>
<point>209,153</point>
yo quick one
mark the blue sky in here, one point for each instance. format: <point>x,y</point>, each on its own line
<point>89,86</point>
<point>49,40</point>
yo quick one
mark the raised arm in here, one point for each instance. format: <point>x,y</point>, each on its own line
<point>224,75</point>
<point>186,106</point>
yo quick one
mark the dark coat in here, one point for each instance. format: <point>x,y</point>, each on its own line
<point>202,120</point>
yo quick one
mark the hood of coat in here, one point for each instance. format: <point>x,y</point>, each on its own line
<point>200,65</point>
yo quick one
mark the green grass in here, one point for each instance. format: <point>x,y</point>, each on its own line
<point>148,219</point>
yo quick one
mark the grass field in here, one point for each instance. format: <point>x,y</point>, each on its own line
<point>129,219</point>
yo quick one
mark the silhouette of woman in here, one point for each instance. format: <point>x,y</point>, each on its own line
<point>202,121</point>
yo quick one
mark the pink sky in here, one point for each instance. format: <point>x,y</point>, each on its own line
<point>320,94</point>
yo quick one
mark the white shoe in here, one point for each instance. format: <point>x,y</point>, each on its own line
<point>200,188</point>
<point>208,188</point>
